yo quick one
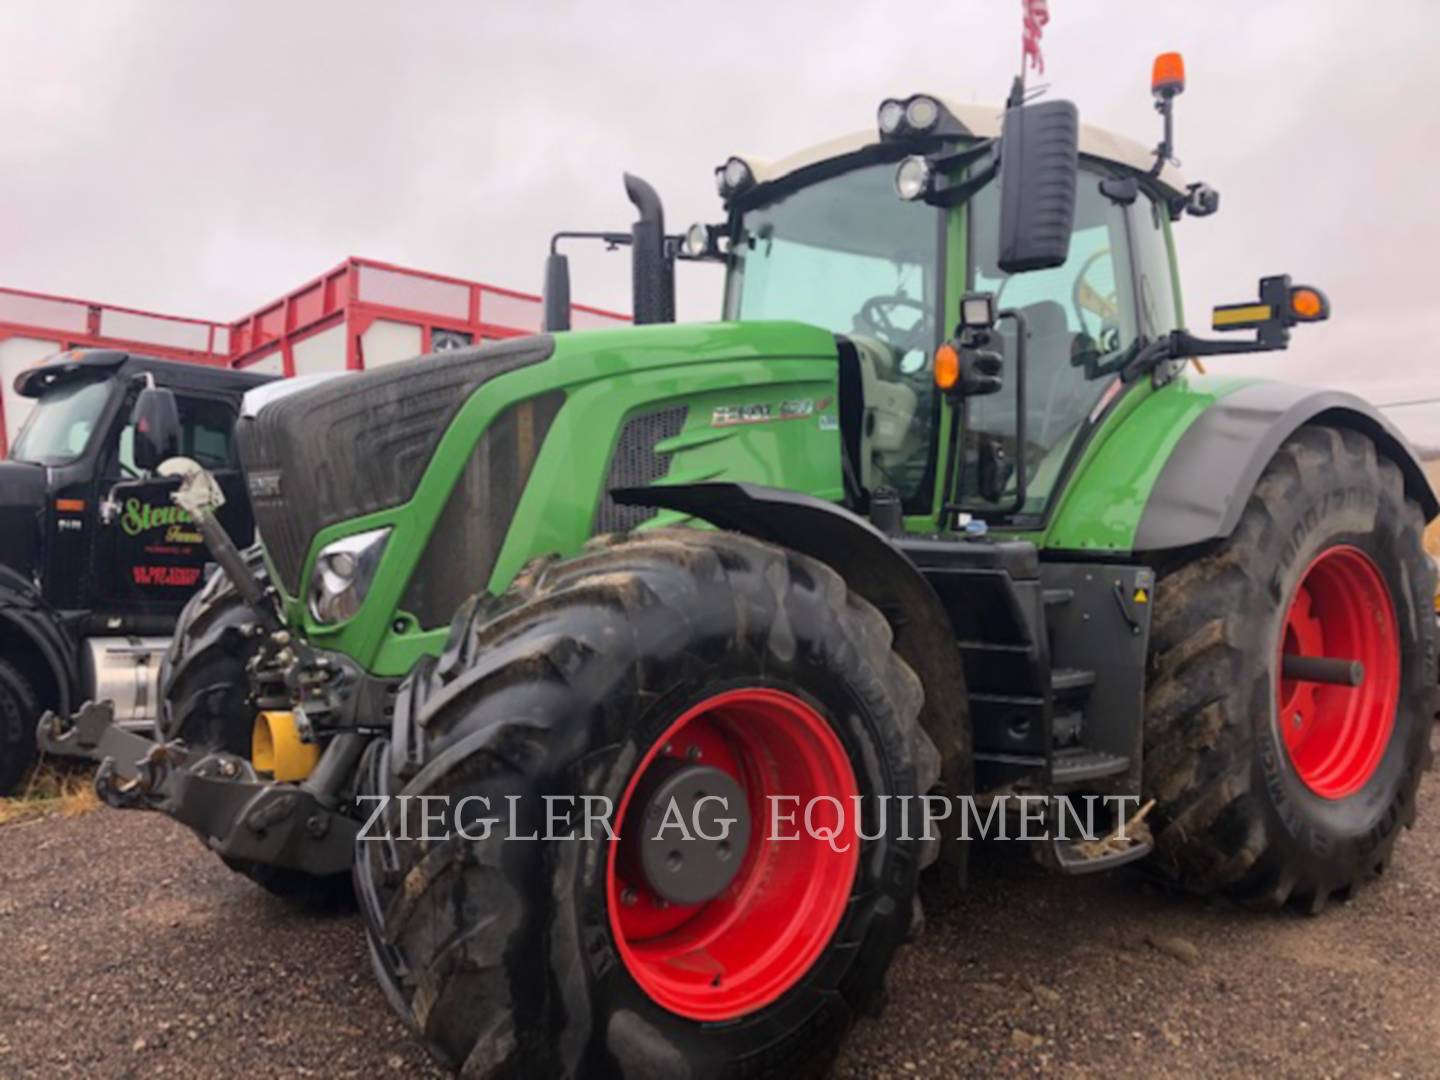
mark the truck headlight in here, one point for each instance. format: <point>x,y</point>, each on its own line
<point>343,574</point>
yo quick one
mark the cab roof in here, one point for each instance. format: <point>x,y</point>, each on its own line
<point>62,367</point>
<point>980,122</point>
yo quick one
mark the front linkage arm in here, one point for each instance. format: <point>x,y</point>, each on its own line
<point>238,815</point>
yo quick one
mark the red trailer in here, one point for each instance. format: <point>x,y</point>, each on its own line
<point>360,314</point>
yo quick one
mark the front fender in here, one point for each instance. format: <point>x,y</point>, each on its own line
<point>1203,485</point>
<point>873,568</point>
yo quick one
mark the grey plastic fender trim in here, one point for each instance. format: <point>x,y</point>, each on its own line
<point>1202,488</point>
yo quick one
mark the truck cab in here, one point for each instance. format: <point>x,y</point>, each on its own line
<point>95,562</point>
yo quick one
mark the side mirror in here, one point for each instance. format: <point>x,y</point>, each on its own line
<point>1039,168</point>
<point>157,427</point>
<point>557,293</point>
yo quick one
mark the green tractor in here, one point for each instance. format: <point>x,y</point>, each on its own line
<point>938,515</point>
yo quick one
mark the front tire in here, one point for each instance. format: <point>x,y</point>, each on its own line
<point>654,652</point>
<point>1267,788</point>
<point>205,701</point>
<point>19,715</point>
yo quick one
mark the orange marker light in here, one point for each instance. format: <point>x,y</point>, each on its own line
<point>947,367</point>
<point>1167,78</point>
<point>1308,304</point>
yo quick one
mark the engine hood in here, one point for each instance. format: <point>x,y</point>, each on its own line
<point>339,450</point>
<point>22,506</point>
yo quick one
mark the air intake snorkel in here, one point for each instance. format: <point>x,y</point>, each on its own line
<point>651,261</point>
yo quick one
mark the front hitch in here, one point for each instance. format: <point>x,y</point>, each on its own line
<point>238,814</point>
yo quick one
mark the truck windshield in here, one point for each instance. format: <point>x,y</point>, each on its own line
<point>847,254</point>
<point>61,423</point>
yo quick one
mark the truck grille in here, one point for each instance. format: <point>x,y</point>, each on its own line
<point>636,464</point>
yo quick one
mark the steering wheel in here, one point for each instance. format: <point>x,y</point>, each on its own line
<point>1085,297</point>
<point>875,318</point>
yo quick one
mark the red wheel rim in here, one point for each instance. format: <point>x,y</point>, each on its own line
<point>1334,735</point>
<point>746,947</point>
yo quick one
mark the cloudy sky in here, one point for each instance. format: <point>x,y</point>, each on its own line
<point>203,158</point>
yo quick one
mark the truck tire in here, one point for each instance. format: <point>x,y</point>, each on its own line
<point>204,695</point>
<point>611,676</point>
<point>1274,790</point>
<point>19,715</point>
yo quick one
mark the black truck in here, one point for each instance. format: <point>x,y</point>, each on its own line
<point>95,561</point>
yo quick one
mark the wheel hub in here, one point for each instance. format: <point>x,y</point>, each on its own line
<point>693,832</point>
<point>1336,725</point>
<point>714,935</point>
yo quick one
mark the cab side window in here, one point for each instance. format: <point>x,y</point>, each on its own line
<point>206,427</point>
<point>1158,313</point>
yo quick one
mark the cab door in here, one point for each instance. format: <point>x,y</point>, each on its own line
<point>1082,321</point>
<point>150,557</point>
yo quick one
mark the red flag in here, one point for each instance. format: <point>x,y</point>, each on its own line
<point>1037,14</point>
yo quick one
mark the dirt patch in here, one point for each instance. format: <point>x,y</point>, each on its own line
<point>131,951</point>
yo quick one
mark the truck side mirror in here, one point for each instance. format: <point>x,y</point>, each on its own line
<point>1039,168</point>
<point>157,427</point>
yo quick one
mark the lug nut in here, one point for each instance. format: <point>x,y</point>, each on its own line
<point>628,897</point>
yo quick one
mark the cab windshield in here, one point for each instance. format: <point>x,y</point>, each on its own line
<point>61,423</point>
<point>847,254</point>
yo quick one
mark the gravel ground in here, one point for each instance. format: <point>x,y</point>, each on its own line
<point>130,951</point>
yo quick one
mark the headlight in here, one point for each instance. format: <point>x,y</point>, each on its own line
<point>733,177</point>
<point>891,113</point>
<point>922,113</point>
<point>912,178</point>
<point>919,115</point>
<point>697,241</point>
<point>343,574</point>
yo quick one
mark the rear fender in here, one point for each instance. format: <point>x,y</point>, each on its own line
<point>1203,486</point>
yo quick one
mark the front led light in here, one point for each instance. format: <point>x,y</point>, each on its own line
<point>737,174</point>
<point>922,113</point>
<point>343,574</point>
<point>912,178</point>
<point>890,116</point>
<point>697,241</point>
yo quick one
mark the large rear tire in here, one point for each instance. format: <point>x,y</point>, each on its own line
<point>1276,790</point>
<point>205,700</point>
<point>591,677</point>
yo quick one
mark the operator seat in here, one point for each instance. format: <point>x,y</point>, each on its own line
<point>1049,377</point>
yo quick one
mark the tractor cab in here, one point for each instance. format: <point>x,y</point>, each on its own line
<point>880,235</point>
